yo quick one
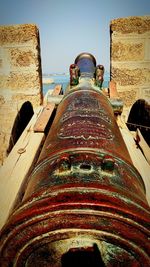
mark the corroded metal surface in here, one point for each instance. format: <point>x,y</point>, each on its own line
<point>99,73</point>
<point>74,74</point>
<point>84,204</point>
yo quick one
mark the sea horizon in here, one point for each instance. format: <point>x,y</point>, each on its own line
<point>63,79</point>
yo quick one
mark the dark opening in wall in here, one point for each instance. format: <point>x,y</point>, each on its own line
<point>139,117</point>
<point>85,257</point>
<point>22,119</point>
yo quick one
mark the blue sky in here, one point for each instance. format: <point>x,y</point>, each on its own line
<point>68,27</point>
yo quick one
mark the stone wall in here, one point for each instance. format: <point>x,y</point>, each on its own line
<point>130,58</point>
<point>20,76</point>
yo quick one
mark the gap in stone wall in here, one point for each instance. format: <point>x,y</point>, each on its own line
<point>21,121</point>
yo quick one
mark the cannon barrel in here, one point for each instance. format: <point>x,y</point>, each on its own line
<point>84,203</point>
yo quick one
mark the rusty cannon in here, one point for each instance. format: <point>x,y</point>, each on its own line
<point>84,202</point>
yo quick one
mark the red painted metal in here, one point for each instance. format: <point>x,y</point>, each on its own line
<point>84,201</point>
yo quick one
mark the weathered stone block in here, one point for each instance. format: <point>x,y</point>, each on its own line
<point>138,25</point>
<point>2,100</point>
<point>18,34</point>
<point>144,93</point>
<point>23,81</point>
<point>130,57</point>
<point>20,97</point>
<point>3,81</point>
<point>5,61</point>
<point>147,49</point>
<point>131,76</point>
<point>23,57</point>
<point>123,51</point>
<point>3,146</point>
<point>1,62</point>
<point>128,97</point>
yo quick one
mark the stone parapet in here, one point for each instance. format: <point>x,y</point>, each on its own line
<point>130,57</point>
<point>20,76</point>
<point>19,35</point>
<point>131,25</point>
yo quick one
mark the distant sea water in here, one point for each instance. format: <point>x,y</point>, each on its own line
<point>63,79</point>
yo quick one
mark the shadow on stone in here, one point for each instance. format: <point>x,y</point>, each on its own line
<point>22,119</point>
